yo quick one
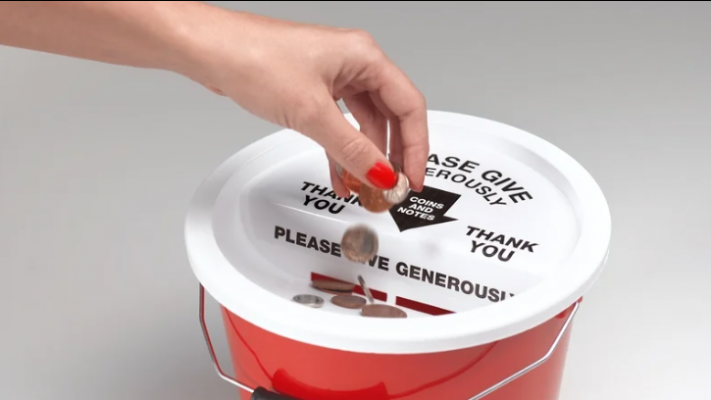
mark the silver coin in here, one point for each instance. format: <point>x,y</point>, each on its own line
<point>339,170</point>
<point>399,193</point>
<point>359,243</point>
<point>366,290</point>
<point>309,300</point>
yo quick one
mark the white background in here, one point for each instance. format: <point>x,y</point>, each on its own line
<point>98,163</point>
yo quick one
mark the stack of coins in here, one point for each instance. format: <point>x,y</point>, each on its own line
<point>360,243</point>
<point>376,200</point>
<point>350,181</point>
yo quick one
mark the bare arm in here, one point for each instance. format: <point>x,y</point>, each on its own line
<point>284,72</point>
<point>139,34</point>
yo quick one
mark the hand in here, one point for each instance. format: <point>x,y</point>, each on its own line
<point>288,73</point>
<point>292,74</point>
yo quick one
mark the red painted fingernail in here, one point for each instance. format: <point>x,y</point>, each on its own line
<point>382,176</point>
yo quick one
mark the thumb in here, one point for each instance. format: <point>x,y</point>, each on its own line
<point>350,148</point>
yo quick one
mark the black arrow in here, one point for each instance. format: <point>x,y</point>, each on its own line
<point>424,209</point>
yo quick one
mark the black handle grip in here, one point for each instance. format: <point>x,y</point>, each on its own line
<point>261,393</point>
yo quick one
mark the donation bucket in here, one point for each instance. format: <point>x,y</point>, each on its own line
<point>487,266</point>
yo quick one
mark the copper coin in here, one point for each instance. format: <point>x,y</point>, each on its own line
<point>348,301</point>
<point>382,311</point>
<point>359,243</point>
<point>333,287</point>
<point>399,193</point>
<point>352,183</point>
<point>373,200</point>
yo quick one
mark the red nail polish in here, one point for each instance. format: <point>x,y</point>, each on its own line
<point>382,176</point>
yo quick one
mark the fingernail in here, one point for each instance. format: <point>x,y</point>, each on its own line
<point>382,176</point>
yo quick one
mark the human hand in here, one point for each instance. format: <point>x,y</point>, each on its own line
<point>292,74</point>
<point>285,72</point>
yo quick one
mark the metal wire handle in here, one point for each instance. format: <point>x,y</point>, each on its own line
<point>215,362</point>
<point>537,363</point>
<point>481,395</point>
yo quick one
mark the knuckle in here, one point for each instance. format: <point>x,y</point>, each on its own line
<point>364,45</point>
<point>418,150</point>
<point>416,108</point>
<point>309,111</point>
<point>362,38</point>
<point>354,149</point>
<point>422,101</point>
<point>419,101</point>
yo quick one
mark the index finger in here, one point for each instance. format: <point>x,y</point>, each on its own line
<point>397,97</point>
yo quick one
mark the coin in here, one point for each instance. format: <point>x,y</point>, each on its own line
<point>359,243</point>
<point>348,301</point>
<point>309,300</point>
<point>339,170</point>
<point>351,182</point>
<point>399,193</point>
<point>333,287</point>
<point>366,289</point>
<point>382,311</point>
<point>372,199</point>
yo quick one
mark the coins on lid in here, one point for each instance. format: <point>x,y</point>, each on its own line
<point>399,193</point>
<point>359,243</point>
<point>382,311</point>
<point>348,301</point>
<point>333,287</point>
<point>309,300</point>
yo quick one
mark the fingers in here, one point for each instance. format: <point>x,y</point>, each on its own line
<point>336,181</point>
<point>395,143</point>
<point>373,123</point>
<point>354,151</point>
<point>396,155</point>
<point>396,96</point>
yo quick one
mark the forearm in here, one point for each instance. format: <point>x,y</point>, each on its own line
<point>141,34</point>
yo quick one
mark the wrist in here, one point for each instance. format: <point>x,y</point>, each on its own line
<point>179,23</point>
<point>194,48</point>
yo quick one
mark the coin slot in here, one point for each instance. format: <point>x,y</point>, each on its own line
<point>421,307</point>
<point>377,295</point>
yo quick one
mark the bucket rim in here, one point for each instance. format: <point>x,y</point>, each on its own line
<point>241,296</point>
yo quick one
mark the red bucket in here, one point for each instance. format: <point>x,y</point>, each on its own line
<point>489,262</point>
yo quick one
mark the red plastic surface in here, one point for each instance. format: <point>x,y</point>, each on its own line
<point>309,372</point>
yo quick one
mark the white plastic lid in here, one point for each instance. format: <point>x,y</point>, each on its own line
<point>508,232</point>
